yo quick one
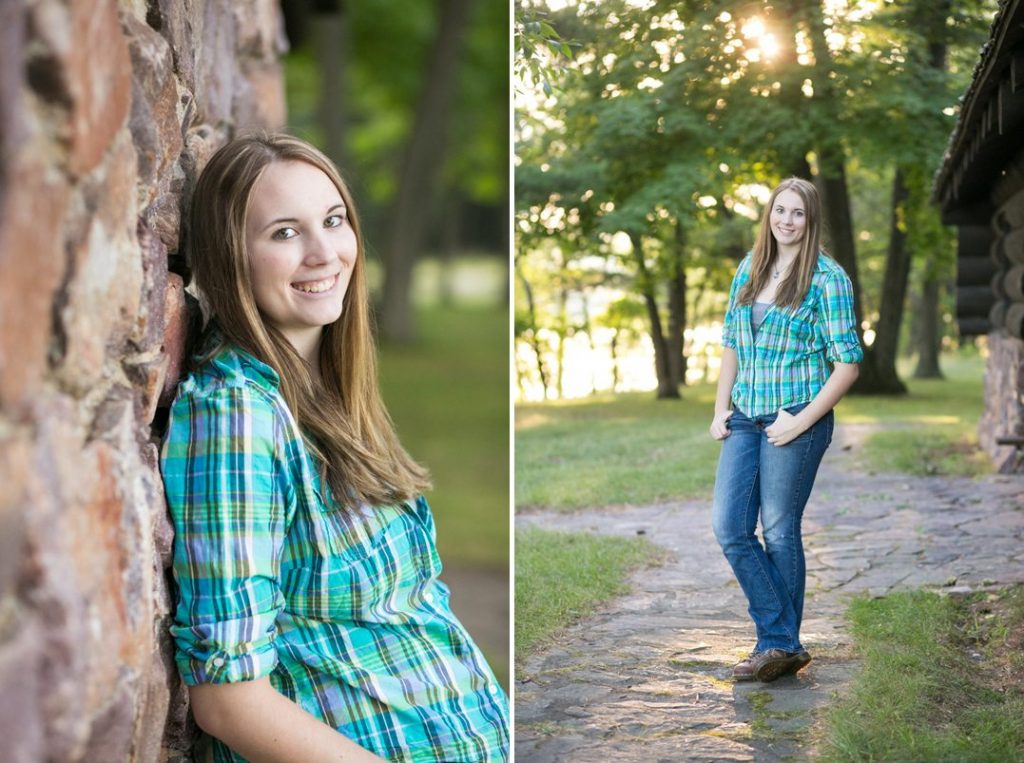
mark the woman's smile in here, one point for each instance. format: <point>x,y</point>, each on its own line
<point>313,288</point>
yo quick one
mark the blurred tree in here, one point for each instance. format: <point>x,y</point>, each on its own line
<point>625,318</point>
<point>391,101</point>
<point>423,159</point>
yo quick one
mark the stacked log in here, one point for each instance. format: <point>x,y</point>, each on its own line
<point>1007,257</point>
<point>974,274</point>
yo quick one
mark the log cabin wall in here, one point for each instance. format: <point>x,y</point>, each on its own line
<point>1004,378</point>
<point>980,189</point>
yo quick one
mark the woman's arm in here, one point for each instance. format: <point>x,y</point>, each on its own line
<point>264,726</point>
<point>726,380</point>
<point>225,486</point>
<point>788,427</point>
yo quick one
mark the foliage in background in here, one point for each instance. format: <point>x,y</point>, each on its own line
<point>673,119</point>
<point>563,577</point>
<point>539,51</point>
<point>388,45</point>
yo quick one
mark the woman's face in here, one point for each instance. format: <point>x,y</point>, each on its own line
<point>788,218</point>
<point>301,250</point>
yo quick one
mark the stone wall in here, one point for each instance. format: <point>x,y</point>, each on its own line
<point>107,110</point>
<point>1004,403</point>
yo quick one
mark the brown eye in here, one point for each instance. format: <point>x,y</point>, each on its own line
<point>334,221</point>
<point>283,234</point>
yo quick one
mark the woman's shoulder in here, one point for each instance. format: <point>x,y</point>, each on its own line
<point>225,372</point>
<point>743,269</point>
<point>828,267</point>
<point>830,276</point>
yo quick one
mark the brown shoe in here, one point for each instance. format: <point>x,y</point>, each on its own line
<point>803,659</point>
<point>744,669</point>
<point>775,663</point>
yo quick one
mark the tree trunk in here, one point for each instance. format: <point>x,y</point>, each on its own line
<point>589,330</point>
<point>831,181</point>
<point>930,331</point>
<point>792,153</point>
<point>562,325</point>
<point>450,243</point>
<point>332,43</point>
<point>534,340</point>
<point>677,312</point>
<point>666,389</point>
<point>880,358</point>
<point>424,157</point>
<point>930,334</point>
<point>520,376</point>
<point>835,199</point>
<point>615,360</point>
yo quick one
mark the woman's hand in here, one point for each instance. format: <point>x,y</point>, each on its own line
<point>785,428</point>
<point>718,429</point>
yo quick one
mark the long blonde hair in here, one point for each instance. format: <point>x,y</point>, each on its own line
<point>342,417</point>
<point>792,291</point>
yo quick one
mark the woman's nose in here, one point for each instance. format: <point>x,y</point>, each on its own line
<point>318,248</point>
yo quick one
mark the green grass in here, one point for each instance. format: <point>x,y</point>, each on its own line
<point>630,449</point>
<point>562,577</point>
<point>934,427</point>
<point>448,395</point>
<point>633,449</point>
<point>932,685</point>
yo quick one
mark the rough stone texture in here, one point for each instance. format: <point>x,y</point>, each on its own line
<point>1004,401</point>
<point>107,111</point>
<point>648,678</point>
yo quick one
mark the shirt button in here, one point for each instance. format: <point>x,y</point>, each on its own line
<point>428,597</point>
<point>493,688</point>
<point>219,662</point>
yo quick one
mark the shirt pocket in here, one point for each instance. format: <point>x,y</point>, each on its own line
<point>799,328</point>
<point>374,573</point>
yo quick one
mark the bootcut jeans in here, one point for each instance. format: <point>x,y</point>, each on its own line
<point>757,479</point>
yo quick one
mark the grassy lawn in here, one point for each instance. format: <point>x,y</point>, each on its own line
<point>562,577</point>
<point>629,449</point>
<point>633,449</point>
<point>942,679</point>
<point>934,428</point>
<point>448,395</point>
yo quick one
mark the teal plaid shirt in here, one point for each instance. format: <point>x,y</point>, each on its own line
<point>342,608</point>
<point>788,361</point>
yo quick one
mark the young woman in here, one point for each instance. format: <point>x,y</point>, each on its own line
<point>310,622</point>
<point>790,352</point>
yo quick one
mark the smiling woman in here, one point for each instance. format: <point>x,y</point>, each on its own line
<point>310,620</point>
<point>300,262</point>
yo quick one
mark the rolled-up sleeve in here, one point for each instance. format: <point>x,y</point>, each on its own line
<point>221,470</point>
<point>729,325</point>
<point>838,321</point>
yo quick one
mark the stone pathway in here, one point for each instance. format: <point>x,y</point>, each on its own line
<point>647,679</point>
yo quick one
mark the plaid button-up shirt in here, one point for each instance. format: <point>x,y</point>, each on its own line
<point>787,361</point>
<point>341,607</point>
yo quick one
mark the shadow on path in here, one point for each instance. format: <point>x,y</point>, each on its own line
<point>647,679</point>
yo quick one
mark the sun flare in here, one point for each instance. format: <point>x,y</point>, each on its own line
<point>766,44</point>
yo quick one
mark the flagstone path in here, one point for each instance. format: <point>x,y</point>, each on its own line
<point>647,678</point>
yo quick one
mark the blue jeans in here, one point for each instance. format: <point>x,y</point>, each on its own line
<point>756,478</point>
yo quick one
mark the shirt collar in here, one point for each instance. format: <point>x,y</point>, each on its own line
<point>232,360</point>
